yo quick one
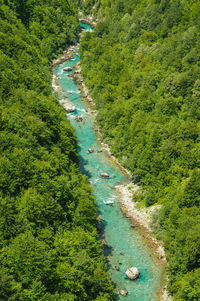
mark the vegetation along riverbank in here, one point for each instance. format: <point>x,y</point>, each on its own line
<point>141,66</point>
<point>48,237</point>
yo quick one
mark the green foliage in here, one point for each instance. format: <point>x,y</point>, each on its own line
<point>141,65</point>
<point>48,239</point>
<point>85,6</point>
<point>189,286</point>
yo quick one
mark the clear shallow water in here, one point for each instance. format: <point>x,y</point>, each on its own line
<point>120,237</point>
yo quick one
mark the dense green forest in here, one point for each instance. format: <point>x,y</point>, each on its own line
<point>48,238</point>
<point>142,66</point>
<point>86,7</point>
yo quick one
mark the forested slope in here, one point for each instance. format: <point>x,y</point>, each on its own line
<point>48,239</point>
<point>86,7</point>
<point>142,67</point>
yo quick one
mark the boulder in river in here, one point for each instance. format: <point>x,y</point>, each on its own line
<point>90,150</point>
<point>67,69</point>
<point>109,202</point>
<point>104,175</point>
<point>117,268</point>
<point>132,273</point>
<point>68,106</point>
<point>123,292</point>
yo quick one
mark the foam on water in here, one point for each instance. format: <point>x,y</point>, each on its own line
<point>73,92</point>
<point>120,237</point>
<point>80,110</point>
<point>61,72</point>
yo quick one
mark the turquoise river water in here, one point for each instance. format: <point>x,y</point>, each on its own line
<point>118,234</point>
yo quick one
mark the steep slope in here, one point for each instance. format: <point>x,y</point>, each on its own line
<point>48,238</point>
<point>141,65</point>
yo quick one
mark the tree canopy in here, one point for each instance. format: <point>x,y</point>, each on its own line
<point>48,239</point>
<point>141,65</point>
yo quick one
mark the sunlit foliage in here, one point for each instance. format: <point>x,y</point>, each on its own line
<point>141,65</point>
<point>48,238</point>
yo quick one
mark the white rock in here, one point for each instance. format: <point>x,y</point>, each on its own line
<point>109,202</point>
<point>133,273</point>
<point>67,69</point>
<point>68,106</point>
<point>104,175</point>
<point>123,292</point>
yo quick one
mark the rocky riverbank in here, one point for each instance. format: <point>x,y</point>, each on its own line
<point>67,55</point>
<point>89,20</point>
<point>69,52</point>
<point>142,217</point>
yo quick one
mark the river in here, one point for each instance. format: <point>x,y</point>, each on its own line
<point>119,236</point>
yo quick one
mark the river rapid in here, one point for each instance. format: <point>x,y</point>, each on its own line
<point>123,245</point>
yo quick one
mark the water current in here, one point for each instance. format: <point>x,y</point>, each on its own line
<point>118,233</point>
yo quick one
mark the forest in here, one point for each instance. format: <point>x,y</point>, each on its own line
<point>142,66</point>
<point>48,238</point>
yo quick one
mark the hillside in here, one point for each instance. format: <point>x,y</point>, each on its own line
<point>142,67</point>
<point>48,238</point>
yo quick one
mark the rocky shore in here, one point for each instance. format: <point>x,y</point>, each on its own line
<point>67,55</point>
<point>69,52</point>
<point>141,217</point>
<point>89,20</point>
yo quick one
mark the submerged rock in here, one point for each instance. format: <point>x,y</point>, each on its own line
<point>78,118</point>
<point>133,273</point>
<point>104,175</point>
<point>123,292</point>
<point>71,75</point>
<point>67,69</point>
<point>121,253</point>
<point>117,268</point>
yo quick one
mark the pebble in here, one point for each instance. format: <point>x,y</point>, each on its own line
<point>123,292</point>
